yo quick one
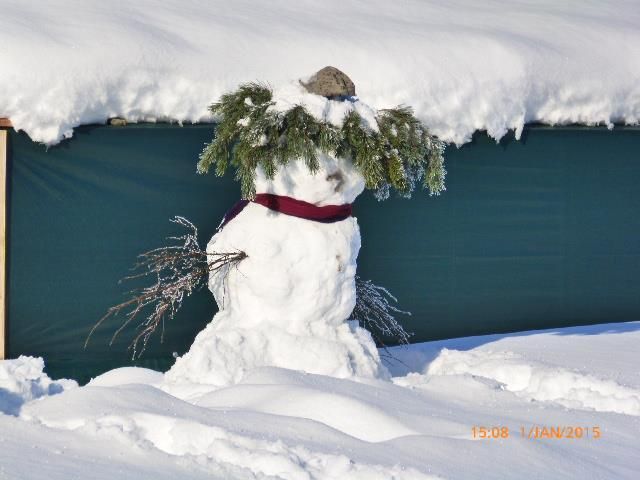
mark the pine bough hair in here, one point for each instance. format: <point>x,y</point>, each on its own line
<point>399,155</point>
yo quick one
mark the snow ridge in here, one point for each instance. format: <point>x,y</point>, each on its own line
<point>537,381</point>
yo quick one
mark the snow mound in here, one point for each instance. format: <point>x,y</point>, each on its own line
<point>23,380</point>
<point>462,65</point>
<point>274,459</point>
<point>146,418</point>
<point>127,376</point>
<point>296,394</point>
<point>536,381</point>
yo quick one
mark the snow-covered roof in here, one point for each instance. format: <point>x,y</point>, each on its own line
<point>463,65</point>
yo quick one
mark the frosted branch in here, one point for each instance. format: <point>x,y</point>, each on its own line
<point>375,312</point>
<point>177,271</point>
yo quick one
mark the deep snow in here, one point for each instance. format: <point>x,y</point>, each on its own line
<point>279,423</point>
<point>464,65</point>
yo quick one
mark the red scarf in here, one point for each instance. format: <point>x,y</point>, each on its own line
<point>293,207</point>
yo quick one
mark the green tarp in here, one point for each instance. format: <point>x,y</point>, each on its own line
<point>541,232</point>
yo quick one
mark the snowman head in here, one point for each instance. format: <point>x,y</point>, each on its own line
<point>336,182</point>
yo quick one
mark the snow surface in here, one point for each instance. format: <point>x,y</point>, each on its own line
<point>463,65</point>
<point>280,423</point>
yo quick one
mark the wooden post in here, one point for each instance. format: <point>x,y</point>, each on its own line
<point>3,243</point>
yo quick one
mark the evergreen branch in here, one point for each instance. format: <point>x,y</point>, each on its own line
<point>399,155</point>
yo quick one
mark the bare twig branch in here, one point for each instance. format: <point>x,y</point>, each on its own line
<point>374,312</point>
<point>178,270</point>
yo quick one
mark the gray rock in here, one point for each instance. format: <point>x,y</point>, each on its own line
<point>117,121</point>
<point>331,83</point>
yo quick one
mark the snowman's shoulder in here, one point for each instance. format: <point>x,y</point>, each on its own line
<point>240,229</point>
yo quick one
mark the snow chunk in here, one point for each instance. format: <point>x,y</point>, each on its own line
<point>23,380</point>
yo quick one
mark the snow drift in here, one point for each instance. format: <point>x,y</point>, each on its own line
<point>463,65</point>
<point>537,381</point>
<point>279,423</point>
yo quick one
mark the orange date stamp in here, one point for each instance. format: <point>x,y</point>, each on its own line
<point>537,432</point>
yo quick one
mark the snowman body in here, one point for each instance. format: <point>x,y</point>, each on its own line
<point>287,303</point>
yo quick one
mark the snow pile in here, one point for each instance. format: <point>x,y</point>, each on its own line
<point>230,441</point>
<point>286,304</point>
<point>344,406</point>
<point>463,65</point>
<point>536,381</point>
<point>22,380</point>
<point>127,376</point>
<point>279,423</point>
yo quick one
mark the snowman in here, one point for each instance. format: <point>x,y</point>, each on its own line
<point>287,303</point>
